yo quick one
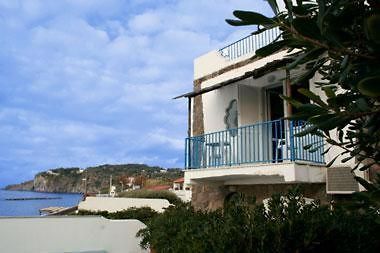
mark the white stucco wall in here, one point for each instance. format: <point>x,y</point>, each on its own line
<point>208,66</point>
<point>69,234</point>
<point>251,97</point>
<point>208,63</point>
<point>251,105</point>
<point>119,204</point>
<point>215,104</point>
<point>334,150</point>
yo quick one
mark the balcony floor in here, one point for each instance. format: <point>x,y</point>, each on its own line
<point>272,173</point>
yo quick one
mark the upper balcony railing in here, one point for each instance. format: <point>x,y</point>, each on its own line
<point>266,142</point>
<point>249,44</point>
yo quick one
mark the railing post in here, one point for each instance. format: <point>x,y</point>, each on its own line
<point>291,136</point>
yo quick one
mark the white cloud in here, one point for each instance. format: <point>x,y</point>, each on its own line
<point>85,82</point>
<point>147,22</point>
<point>163,137</point>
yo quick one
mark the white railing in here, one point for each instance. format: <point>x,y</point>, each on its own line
<point>249,44</point>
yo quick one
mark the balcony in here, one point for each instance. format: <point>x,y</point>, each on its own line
<point>249,44</point>
<point>272,142</point>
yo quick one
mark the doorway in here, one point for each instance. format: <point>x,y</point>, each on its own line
<point>276,124</point>
<point>275,103</point>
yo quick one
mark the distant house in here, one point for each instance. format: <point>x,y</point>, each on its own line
<point>50,172</point>
<point>182,191</point>
<point>131,182</point>
<point>178,184</point>
<point>239,138</point>
<point>136,187</point>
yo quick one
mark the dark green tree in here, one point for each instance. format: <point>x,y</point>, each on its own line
<point>340,40</point>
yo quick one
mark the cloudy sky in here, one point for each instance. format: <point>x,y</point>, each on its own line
<point>89,82</point>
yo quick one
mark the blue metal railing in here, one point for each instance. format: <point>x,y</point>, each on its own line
<point>266,142</point>
<point>249,44</point>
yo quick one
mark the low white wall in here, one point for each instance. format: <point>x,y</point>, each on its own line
<point>69,234</point>
<point>119,204</point>
<point>184,195</point>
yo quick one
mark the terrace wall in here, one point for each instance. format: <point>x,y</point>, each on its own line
<point>212,196</point>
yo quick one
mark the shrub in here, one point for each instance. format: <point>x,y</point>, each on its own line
<point>143,214</point>
<point>182,229</point>
<point>170,196</point>
<point>287,225</point>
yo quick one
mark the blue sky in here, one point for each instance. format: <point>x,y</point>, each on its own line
<point>89,82</point>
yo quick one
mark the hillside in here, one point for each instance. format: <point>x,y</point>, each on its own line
<point>25,186</point>
<point>98,178</point>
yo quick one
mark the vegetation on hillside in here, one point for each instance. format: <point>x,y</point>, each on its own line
<point>98,178</point>
<point>24,186</point>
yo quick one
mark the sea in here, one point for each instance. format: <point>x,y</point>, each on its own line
<point>32,207</point>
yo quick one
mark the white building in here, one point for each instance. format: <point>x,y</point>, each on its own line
<point>182,192</point>
<point>238,138</point>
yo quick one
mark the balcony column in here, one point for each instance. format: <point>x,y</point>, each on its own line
<point>188,151</point>
<point>288,92</point>
<point>189,117</point>
<point>288,113</point>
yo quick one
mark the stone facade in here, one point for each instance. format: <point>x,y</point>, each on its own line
<point>261,192</point>
<point>208,196</point>
<point>211,196</point>
<point>198,125</point>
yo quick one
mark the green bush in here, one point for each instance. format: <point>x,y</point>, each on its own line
<point>182,229</point>
<point>286,225</point>
<point>149,194</point>
<point>143,214</point>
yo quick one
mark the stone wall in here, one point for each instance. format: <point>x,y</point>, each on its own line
<point>208,196</point>
<point>212,196</point>
<point>261,192</point>
<point>198,125</point>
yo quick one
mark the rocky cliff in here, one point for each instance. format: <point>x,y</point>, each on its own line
<point>97,178</point>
